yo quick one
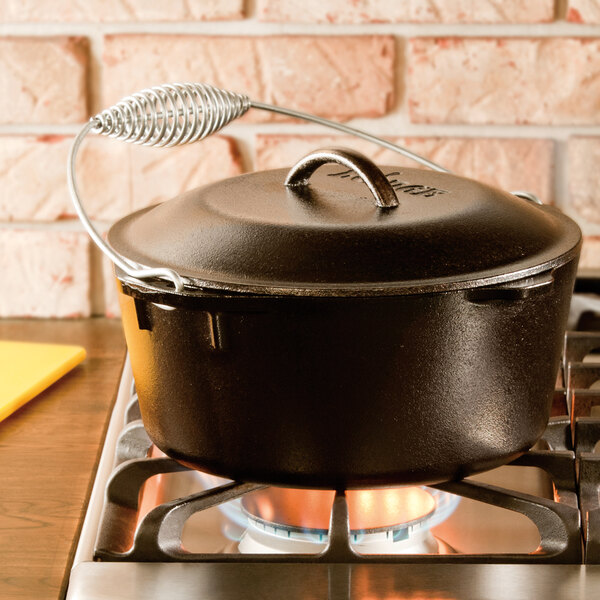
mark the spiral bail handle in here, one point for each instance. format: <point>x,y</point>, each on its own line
<point>182,113</point>
<point>172,114</point>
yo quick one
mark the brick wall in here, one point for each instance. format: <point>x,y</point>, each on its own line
<point>507,92</point>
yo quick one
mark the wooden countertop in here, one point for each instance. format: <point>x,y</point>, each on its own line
<point>49,450</point>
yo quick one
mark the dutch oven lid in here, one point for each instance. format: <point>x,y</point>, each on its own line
<point>350,230</point>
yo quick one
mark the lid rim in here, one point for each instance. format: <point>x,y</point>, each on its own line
<point>414,287</point>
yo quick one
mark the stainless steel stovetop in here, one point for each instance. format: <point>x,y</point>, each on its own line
<point>155,529</point>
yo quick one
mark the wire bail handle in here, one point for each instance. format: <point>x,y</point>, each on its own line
<point>182,113</point>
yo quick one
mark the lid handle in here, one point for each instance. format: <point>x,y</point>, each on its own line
<point>371,174</point>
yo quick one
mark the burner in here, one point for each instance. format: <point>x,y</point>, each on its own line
<point>308,511</point>
<point>384,521</point>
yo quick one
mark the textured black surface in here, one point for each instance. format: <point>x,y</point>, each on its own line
<point>346,392</point>
<point>251,233</point>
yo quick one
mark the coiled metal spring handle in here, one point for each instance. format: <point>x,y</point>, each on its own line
<point>182,113</point>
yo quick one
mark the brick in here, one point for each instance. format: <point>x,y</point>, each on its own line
<point>33,182</point>
<point>474,80</point>
<point>32,178</point>
<point>104,175</point>
<point>413,11</point>
<point>509,164</point>
<point>590,253</point>
<point>583,11</point>
<point>584,177</point>
<point>43,80</point>
<point>119,10</point>
<point>336,76</point>
<point>115,178</point>
<point>123,177</point>
<point>158,174</point>
<point>118,178</point>
<point>45,273</point>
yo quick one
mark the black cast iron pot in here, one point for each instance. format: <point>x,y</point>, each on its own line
<point>335,334</point>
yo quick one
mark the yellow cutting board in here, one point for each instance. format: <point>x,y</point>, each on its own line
<point>26,369</point>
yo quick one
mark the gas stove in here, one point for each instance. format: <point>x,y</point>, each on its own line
<point>531,529</point>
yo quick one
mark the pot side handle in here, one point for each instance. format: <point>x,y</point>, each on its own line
<point>514,290</point>
<point>369,172</point>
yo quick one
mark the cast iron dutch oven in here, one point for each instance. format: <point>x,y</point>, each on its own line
<point>346,326</point>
